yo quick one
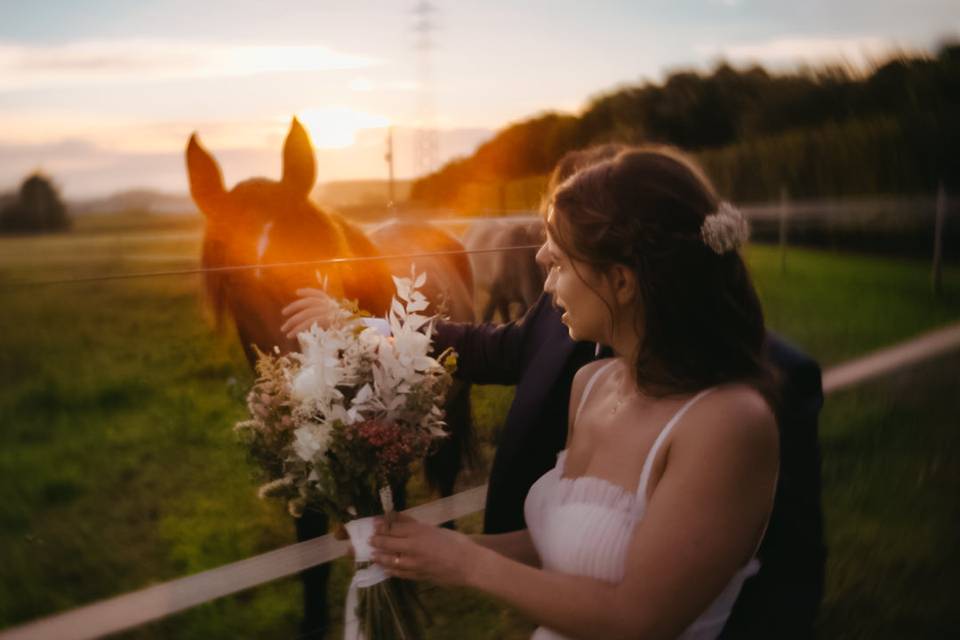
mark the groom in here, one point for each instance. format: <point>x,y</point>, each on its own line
<point>537,355</point>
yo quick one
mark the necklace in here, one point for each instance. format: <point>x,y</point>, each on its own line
<point>622,399</point>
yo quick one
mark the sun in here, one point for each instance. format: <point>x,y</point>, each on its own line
<point>337,127</point>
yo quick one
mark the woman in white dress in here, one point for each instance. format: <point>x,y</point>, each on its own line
<point>649,523</point>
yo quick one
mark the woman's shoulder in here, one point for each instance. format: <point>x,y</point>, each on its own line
<point>581,379</point>
<point>743,400</point>
<point>585,373</point>
<point>732,416</point>
<point>588,370</point>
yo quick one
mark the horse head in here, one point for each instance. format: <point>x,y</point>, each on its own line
<point>262,240</point>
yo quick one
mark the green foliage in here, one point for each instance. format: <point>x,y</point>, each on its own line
<point>37,208</point>
<point>824,132</point>
<point>881,156</point>
<point>524,149</point>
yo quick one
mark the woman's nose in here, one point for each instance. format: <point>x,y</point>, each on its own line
<point>541,256</point>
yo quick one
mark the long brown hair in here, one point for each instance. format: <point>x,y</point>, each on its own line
<point>700,317</point>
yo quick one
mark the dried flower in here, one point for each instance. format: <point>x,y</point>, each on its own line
<point>725,230</point>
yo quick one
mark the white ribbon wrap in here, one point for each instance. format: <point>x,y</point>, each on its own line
<point>360,531</point>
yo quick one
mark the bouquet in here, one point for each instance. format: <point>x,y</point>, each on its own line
<point>339,424</point>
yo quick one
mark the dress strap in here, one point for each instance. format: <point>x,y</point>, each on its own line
<point>588,388</point>
<point>648,463</point>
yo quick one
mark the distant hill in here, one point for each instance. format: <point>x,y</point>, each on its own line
<point>143,200</point>
<point>355,197</point>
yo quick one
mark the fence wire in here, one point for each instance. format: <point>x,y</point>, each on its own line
<point>273,265</point>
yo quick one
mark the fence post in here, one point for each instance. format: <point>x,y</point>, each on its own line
<point>937,275</point>
<point>784,198</point>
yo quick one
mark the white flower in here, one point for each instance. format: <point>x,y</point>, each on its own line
<point>724,230</point>
<point>366,401</point>
<point>411,348</point>
<point>321,370</point>
<point>312,440</point>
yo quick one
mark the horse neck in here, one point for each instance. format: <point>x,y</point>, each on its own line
<point>256,315</point>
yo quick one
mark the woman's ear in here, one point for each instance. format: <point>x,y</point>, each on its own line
<point>623,283</point>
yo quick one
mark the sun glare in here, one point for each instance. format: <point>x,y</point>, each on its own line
<point>337,127</point>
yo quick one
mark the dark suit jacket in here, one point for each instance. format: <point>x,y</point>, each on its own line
<point>537,355</point>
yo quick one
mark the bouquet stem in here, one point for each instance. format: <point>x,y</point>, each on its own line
<point>378,607</point>
<point>389,611</point>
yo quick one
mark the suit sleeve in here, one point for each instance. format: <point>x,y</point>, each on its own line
<point>783,599</point>
<point>489,353</point>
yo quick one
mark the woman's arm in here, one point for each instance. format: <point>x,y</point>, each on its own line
<point>516,545</point>
<point>701,525</point>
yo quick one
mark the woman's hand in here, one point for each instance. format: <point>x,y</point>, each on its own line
<point>415,551</point>
<point>314,306</point>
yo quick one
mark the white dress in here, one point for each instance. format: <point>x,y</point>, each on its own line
<point>583,526</point>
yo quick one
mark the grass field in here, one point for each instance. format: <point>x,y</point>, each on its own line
<point>118,468</point>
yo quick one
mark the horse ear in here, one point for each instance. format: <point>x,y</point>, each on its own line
<point>299,165</point>
<point>206,182</point>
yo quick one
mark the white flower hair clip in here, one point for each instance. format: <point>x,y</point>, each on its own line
<point>725,229</point>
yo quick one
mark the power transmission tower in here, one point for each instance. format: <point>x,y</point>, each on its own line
<point>426,139</point>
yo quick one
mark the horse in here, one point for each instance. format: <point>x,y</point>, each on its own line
<point>510,277</point>
<point>262,222</point>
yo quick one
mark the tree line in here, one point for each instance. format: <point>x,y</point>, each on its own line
<point>36,207</point>
<point>817,132</point>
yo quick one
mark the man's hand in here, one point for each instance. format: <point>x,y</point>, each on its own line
<point>314,306</point>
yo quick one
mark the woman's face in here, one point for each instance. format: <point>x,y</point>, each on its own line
<point>585,313</point>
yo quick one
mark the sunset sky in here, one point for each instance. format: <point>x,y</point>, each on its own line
<point>102,95</point>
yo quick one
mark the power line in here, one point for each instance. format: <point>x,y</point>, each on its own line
<point>249,267</point>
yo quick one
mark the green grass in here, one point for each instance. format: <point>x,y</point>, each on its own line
<point>118,468</point>
<point>891,483</point>
<point>839,305</point>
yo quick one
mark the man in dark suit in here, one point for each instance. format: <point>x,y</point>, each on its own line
<point>537,355</point>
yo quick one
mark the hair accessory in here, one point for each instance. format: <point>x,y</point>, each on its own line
<point>725,229</point>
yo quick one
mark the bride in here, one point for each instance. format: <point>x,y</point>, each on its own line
<point>649,523</point>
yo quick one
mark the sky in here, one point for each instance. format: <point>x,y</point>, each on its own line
<point>102,95</point>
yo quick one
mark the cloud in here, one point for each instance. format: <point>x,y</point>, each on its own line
<point>859,52</point>
<point>83,167</point>
<point>25,66</point>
